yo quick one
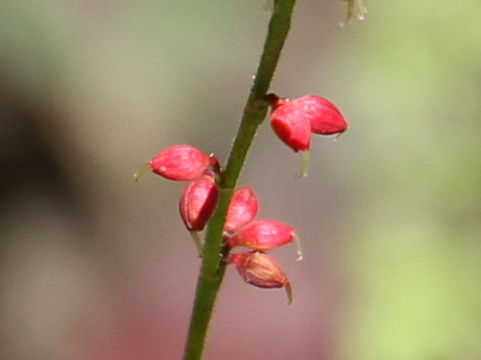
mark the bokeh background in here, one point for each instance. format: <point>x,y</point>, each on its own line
<point>95,266</point>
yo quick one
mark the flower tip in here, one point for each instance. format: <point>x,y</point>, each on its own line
<point>298,248</point>
<point>338,135</point>
<point>355,8</point>
<point>142,171</point>
<point>197,242</point>
<point>289,293</point>
<point>304,165</point>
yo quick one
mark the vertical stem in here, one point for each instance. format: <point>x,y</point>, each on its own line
<point>213,268</point>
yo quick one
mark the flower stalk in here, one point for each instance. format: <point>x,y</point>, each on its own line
<point>213,266</point>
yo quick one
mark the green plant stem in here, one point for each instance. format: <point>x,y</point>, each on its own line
<point>213,267</point>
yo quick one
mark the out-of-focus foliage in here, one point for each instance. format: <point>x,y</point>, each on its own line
<point>416,231</point>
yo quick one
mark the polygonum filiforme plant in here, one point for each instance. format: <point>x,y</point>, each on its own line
<point>211,199</point>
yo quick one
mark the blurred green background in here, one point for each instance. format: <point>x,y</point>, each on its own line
<point>94,266</point>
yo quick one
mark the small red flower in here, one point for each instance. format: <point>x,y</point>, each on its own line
<point>261,270</point>
<point>325,118</point>
<point>182,162</point>
<point>198,202</point>
<point>262,235</point>
<point>290,124</point>
<point>242,209</point>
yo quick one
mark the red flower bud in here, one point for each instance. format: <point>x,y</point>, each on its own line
<point>198,202</point>
<point>290,124</point>
<point>182,162</point>
<point>324,116</point>
<point>260,270</point>
<point>242,209</point>
<point>262,235</point>
<point>294,121</point>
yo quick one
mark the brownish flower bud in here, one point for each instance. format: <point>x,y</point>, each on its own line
<point>261,270</point>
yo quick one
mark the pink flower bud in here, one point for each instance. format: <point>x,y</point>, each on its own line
<point>290,124</point>
<point>262,235</point>
<point>198,202</point>
<point>260,270</point>
<point>325,118</point>
<point>242,209</point>
<point>182,162</point>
